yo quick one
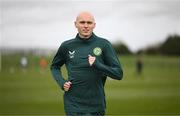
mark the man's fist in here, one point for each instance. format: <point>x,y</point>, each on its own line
<point>67,85</point>
<point>91,60</point>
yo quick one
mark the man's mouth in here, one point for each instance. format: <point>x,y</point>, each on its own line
<point>85,31</point>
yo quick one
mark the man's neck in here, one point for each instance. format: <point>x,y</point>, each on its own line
<point>85,37</point>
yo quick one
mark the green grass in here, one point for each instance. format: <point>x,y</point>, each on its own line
<point>156,91</point>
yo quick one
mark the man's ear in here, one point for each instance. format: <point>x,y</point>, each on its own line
<point>75,24</point>
<point>94,25</point>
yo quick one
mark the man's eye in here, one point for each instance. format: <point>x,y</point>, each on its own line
<point>82,22</point>
<point>89,22</point>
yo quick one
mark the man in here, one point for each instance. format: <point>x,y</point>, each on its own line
<point>24,63</point>
<point>89,59</point>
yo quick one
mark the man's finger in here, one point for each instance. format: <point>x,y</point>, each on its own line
<point>66,85</point>
<point>66,88</point>
<point>69,82</point>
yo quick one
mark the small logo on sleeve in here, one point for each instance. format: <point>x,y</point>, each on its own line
<point>97,51</point>
<point>71,54</point>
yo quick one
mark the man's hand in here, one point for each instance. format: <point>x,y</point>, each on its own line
<point>67,85</point>
<point>91,60</point>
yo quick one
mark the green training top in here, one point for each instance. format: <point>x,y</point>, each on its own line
<point>86,93</point>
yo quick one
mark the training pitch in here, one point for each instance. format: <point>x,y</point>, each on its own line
<point>33,90</point>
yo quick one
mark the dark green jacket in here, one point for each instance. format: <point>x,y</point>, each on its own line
<point>87,90</point>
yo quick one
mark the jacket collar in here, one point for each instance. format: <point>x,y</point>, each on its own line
<point>91,38</point>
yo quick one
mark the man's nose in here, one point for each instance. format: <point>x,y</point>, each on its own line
<point>85,25</point>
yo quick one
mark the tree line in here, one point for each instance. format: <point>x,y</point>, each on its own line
<point>171,46</point>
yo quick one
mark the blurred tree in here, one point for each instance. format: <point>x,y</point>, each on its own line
<point>152,50</point>
<point>121,48</point>
<point>171,46</point>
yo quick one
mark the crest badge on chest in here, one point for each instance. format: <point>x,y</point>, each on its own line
<point>97,51</point>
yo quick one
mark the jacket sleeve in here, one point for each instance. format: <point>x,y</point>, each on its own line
<point>56,65</point>
<point>111,66</point>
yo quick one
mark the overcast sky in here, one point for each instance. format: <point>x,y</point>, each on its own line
<point>47,23</point>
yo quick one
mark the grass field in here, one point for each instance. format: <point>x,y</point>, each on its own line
<point>155,92</point>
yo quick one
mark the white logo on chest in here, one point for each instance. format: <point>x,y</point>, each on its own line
<point>71,54</point>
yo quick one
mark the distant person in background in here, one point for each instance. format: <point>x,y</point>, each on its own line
<point>139,64</point>
<point>24,63</point>
<point>42,64</point>
<point>89,59</point>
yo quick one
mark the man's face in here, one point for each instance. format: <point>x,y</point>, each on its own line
<point>85,24</point>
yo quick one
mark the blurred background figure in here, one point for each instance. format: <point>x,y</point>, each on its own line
<point>43,64</point>
<point>24,63</point>
<point>139,64</point>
